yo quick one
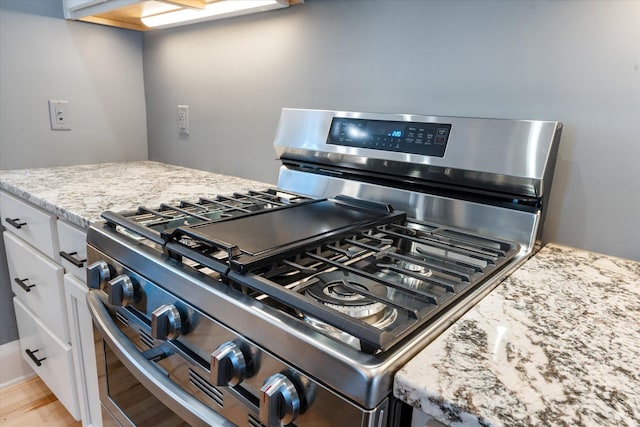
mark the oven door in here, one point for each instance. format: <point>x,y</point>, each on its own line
<point>135,391</point>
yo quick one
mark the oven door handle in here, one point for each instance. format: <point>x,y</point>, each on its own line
<point>169,393</point>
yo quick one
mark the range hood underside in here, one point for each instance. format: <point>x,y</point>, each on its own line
<point>131,14</point>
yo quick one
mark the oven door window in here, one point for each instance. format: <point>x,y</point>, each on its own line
<point>135,401</point>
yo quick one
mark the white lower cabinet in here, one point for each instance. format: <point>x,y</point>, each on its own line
<point>38,283</point>
<point>84,356</point>
<point>37,265</point>
<point>48,356</point>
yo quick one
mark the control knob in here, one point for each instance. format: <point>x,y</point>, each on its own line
<point>98,275</point>
<point>280,403</point>
<point>228,365</point>
<point>166,322</point>
<point>121,291</point>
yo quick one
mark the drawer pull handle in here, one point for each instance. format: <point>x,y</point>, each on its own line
<point>33,357</point>
<point>16,222</point>
<point>73,260</point>
<point>20,282</point>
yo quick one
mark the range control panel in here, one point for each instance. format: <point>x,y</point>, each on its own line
<point>427,139</point>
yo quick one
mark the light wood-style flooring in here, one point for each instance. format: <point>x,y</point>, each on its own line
<point>31,403</point>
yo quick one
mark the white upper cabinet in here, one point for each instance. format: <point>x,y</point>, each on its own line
<point>143,15</point>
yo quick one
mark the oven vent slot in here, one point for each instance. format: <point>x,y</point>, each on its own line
<point>253,422</point>
<point>206,387</point>
<point>122,319</point>
<point>146,339</point>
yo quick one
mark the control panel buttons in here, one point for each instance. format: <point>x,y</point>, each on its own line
<point>280,402</point>
<point>423,138</point>
<point>98,275</point>
<point>167,322</point>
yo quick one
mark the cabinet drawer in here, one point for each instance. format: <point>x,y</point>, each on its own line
<point>32,224</point>
<point>55,359</point>
<point>73,249</point>
<point>42,288</point>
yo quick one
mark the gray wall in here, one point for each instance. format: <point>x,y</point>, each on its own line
<point>97,69</point>
<point>573,61</point>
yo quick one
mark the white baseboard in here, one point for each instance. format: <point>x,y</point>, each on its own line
<point>13,368</point>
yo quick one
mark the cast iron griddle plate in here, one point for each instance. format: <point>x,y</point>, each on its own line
<point>267,230</point>
<point>267,234</point>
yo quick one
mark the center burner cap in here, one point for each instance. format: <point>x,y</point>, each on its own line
<point>344,292</point>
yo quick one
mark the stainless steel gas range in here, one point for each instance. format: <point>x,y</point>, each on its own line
<point>296,305</point>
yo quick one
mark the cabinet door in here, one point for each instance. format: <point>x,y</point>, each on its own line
<point>83,349</point>
<point>31,224</point>
<point>49,357</point>
<point>37,282</point>
<point>73,249</point>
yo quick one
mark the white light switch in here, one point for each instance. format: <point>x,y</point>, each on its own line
<point>59,115</point>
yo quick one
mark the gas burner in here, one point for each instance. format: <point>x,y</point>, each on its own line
<point>407,273</point>
<point>349,294</point>
<point>387,319</point>
<point>415,268</point>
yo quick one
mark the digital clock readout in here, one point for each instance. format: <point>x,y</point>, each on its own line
<point>381,129</point>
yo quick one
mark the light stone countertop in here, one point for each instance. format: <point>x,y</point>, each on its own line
<point>79,194</point>
<point>555,344</point>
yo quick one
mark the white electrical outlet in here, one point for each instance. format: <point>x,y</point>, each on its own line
<point>183,119</point>
<point>59,115</point>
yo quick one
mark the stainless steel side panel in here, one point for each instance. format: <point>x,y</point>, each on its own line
<point>504,155</point>
<point>504,223</point>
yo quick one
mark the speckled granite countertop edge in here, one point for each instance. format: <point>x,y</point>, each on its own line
<point>80,193</point>
<point>556,344</point>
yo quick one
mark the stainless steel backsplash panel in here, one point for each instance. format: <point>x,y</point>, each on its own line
<point>504,223</point>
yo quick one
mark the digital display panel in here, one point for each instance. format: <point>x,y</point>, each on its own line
<point>429,139</point>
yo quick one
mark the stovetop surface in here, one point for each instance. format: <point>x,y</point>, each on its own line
<point>353,270</point>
